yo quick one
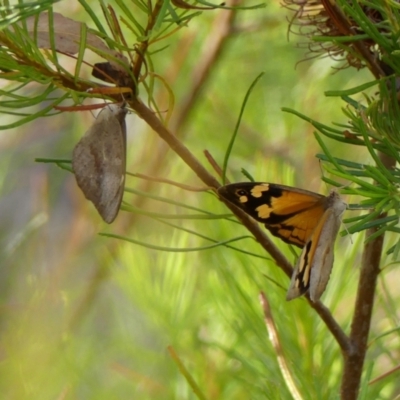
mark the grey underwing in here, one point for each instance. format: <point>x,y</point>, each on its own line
<point>99,161</point>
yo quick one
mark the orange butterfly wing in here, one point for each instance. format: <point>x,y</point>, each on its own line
<point>288,213</point>
<point>299,217</point>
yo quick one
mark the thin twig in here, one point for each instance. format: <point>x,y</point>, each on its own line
<point>182,151</point>
<point>214,164</point>
<point>343,25</point>
<point>280,260</point>
<point>336,330</point>
<point>274,338</point>
<point>183,370</point>
<point>385,375</point>
<point>169,182</point>
<point>139,58</point>
<point>211,52</point>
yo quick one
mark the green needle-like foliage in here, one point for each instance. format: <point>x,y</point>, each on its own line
<point>165,303</point>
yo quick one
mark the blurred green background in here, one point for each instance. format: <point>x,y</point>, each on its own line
<point>88,317</point>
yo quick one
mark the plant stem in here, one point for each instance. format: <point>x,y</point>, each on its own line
<point>354,359</point>
<point>280,260</point>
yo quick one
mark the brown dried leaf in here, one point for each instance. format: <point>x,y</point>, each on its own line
<point>67,36</point>
<point>107,72</point>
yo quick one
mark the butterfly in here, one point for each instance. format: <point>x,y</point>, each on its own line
<point>298,217</point>
<point>99,161</point>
